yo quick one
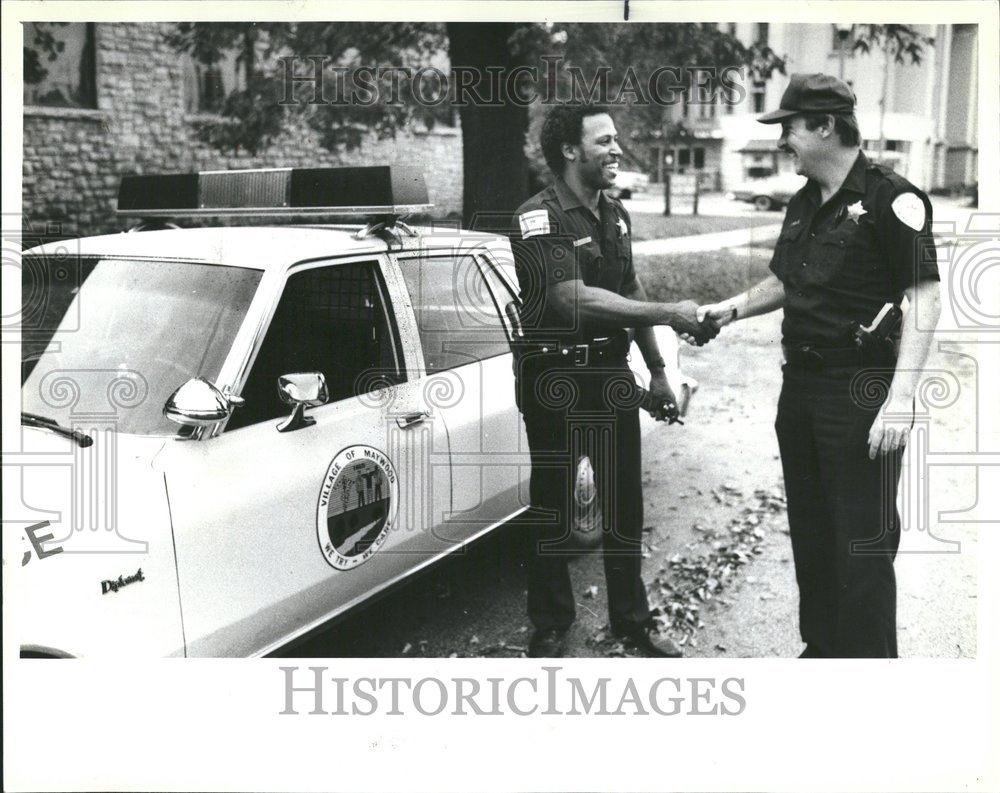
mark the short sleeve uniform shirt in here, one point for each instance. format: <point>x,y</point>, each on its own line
<point>556,238</point>
<point>842,261</point>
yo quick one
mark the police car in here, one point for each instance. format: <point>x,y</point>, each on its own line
<point>251,429</point>
<point>231,435</point>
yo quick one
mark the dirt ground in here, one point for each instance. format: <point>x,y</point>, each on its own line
<point>718,561</point>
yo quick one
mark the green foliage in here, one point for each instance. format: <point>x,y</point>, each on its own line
<point>253,117</point>
<point>901,42</point>
<point>43,45</point>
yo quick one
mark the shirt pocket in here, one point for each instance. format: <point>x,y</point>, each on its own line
<point>784,249</point>
<point>589,261</point>
<point>827,256</point>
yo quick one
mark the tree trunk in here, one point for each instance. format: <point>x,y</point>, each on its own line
<point>495,178</point>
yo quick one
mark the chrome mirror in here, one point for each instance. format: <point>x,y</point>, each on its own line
<point>197,403</point>
<point>303,389</point>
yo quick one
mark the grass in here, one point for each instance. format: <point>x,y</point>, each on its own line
<point>647,226</point>
<point>705,276</point>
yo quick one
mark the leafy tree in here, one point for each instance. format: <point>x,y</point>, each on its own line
<point>496,175</point>
<point>900,44</point>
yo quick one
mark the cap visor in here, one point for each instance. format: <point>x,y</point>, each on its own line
<point>776,115</point>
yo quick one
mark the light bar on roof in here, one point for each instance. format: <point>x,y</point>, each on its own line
<point>378,190</point>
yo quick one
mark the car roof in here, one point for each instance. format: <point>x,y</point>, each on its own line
<point>259,247</point>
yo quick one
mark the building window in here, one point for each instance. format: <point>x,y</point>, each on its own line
<point>60,67</point>
<point>206,86</point>
<point>684,157</point>
<point>699,157</point>
<point>757,95</point>
<point>760,39</point>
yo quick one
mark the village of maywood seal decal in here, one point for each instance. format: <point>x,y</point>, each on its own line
<point>357,506</point>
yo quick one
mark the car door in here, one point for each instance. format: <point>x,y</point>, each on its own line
<point>459,302</point>
<point>278,531</point>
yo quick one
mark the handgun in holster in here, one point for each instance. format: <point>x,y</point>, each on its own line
<point>880,337</point>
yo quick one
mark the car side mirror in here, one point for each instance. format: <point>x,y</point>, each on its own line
<point>303,389</point>
<point>197,403</point>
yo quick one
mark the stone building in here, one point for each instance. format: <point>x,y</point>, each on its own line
<point>118,99</point>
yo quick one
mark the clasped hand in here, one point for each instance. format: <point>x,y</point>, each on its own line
<point>695,326</point>
<point>709,320</point>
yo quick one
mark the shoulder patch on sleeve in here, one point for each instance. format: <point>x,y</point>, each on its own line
<point>910,210</point>
<point>534,222</point>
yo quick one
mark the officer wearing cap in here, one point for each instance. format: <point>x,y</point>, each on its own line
<point>580,295</point>
<point>855,241</point>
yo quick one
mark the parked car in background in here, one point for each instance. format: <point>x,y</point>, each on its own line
<point>771,192</point>
<point>629,182</point>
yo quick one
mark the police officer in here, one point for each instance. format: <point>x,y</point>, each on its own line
<point>855,240</point>
<point>576,393</point>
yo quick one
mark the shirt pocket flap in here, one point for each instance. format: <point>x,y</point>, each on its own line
<point>791,233</point>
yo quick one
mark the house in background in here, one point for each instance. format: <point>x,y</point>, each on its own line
<point>117,99</point>
<point>930,120</point>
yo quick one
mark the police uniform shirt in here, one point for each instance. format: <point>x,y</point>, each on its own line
<point>842,261</point>
<point>562,240</point>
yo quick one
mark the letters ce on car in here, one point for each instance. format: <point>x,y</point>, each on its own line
<point>300,415</point>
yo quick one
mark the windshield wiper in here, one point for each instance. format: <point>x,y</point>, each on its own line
<point>34,420</point>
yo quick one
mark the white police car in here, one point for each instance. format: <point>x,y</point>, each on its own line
<point>231,435</point>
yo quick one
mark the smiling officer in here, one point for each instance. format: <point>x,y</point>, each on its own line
<point>855,241</point>
<point>580,294</point>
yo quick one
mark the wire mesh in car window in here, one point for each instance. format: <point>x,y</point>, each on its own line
<point>331,320</point>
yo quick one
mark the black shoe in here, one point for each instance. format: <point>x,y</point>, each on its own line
<point>649,641</point>
<point>547,643</point>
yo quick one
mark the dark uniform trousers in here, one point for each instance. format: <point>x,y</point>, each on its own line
<point>841,509</point>
<point>840,261</point>
<point>569,413</point>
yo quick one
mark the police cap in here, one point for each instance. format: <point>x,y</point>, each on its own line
<point>812,93</point>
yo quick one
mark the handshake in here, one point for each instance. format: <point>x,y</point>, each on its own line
<point>696,324</point>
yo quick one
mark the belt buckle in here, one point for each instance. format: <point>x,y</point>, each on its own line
<point>581,355</point>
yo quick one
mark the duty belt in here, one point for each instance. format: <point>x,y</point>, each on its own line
<point>809,357</point>
<point>597,350</point>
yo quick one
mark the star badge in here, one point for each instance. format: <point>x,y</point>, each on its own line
<point>855,211</point>
<point>622,227</point>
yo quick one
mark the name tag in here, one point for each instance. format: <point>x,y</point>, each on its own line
<point>584,241</point>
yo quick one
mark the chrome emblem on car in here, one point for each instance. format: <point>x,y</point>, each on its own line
<point>357,506</point>
<point>121,581</point>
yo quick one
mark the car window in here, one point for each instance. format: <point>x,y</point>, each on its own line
<point>458,319</point>
<point>333,320</point>
<point>109,336</point>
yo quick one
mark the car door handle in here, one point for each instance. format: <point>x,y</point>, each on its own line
<point>412,419</point>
